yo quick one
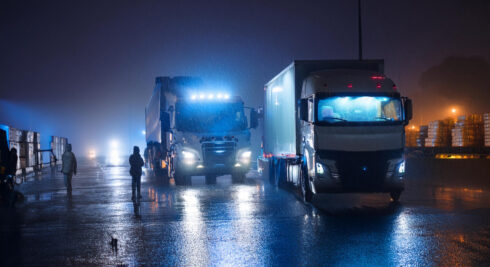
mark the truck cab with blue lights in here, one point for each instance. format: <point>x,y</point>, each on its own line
<point>193,130</point>
<point>348,133</point>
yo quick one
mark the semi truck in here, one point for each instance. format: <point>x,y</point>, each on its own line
<point>192,130</point>
<point>335,126</point>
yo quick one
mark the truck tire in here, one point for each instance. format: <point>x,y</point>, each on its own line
<point>210,179</point>
<point>238,178</point>
<point>272,172</point>
<point>181,179</point>
<point>395,196</point>
<point>306,193</point>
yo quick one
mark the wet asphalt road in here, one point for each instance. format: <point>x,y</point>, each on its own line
<point>441,220</point>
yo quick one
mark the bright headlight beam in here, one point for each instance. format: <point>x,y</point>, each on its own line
<point>319,168</point>
<point>401,168</point>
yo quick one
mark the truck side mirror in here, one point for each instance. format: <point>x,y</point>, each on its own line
<point>254,119</point>
<point>408,110</point>
<point>165,121</point>
<point>303,109</point>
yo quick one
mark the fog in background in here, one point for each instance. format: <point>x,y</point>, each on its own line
<point>86,69</point>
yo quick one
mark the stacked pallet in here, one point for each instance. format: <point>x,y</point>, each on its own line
<point>423,132</point>
<point>439,133</point>
<point>468,131</point>
<point>486,131</point>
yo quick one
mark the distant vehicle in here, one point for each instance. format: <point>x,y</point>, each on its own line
<point>193,131</point>
<point>335,127</point>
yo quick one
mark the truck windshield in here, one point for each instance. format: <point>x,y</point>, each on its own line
<point>210,117</point>
<point>345,109</point>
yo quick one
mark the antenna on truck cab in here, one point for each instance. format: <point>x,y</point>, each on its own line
<point>360,29</point>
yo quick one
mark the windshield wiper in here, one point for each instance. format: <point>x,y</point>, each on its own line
<point>332,118</point>
<point>383,118</point>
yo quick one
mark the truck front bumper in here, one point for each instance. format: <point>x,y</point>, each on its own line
<point>200,169</point>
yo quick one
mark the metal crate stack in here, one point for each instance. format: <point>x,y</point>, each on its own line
<point>486,131</point>
<point>439,133</point>
<point>411,137</point>
<point>58,145</point>
<point>468,131</point>
<point>423,132</point>
<point>15,139</point>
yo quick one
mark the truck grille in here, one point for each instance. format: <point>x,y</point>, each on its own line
<point>361,170</point>
<point>218,152</point>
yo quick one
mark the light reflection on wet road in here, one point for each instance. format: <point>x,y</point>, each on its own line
<point>241,224</point>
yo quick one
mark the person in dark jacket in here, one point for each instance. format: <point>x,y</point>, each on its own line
<point>69,166</point>
<point>136,163</point>
<point>12,165</point>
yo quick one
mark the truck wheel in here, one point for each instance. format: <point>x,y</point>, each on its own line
<point>305,186</point>
<point>272,174</point>
<point>395,196</point>
<point>210,179</point>
<point>180,179</point>
<point>238,178</point>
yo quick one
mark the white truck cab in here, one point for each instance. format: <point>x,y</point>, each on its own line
<point>347,134</point>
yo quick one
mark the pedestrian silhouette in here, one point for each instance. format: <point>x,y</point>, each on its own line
<point>69,166</point>
<point>12,165</point>
<point>136,163</point>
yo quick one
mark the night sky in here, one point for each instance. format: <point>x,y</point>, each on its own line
<point>86,69</point>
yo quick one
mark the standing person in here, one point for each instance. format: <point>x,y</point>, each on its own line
<point>69,166</point>
<point>12,165</point>
<point>136,163</point>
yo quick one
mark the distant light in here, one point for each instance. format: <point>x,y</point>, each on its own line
<point>210,96</point>
<point>378,85</point>
<point>377,77</point>
<point>277,89</point>
<point>349,85</point>
<point>143,132</point>
<point>193,96</point>
<point>219,96</point>
<point>92,154</point>
<point>201,96</point>
<point>453,110</point>
<point>413,127</point>
<point>226,96</point>
<point>114,143</point>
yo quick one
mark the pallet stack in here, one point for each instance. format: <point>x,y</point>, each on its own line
<point>486,131</point>
<point>439,133</point>
<point>468,131</point>
<point>423,132</point>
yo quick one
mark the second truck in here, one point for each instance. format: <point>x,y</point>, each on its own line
<point>335,127</point>
<point>195,131</point>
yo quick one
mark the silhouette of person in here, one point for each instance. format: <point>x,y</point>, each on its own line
<point>12,164</point>
<point>136,163</point>
<point>69,166</point>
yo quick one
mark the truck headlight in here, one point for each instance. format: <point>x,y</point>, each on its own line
<point>244,156</point>
<point>319,168</point>
<point>401,168</point>
<point>188,157</point>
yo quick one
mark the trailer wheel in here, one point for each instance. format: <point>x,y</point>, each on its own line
<point>305,187</point>
<point>238,178</point>
<point>395,196</point>
<point>181,179</point>
<point>210,179</point>
<point>272,174</point>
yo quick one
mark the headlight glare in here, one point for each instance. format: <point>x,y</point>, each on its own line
<point>401,168</point>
